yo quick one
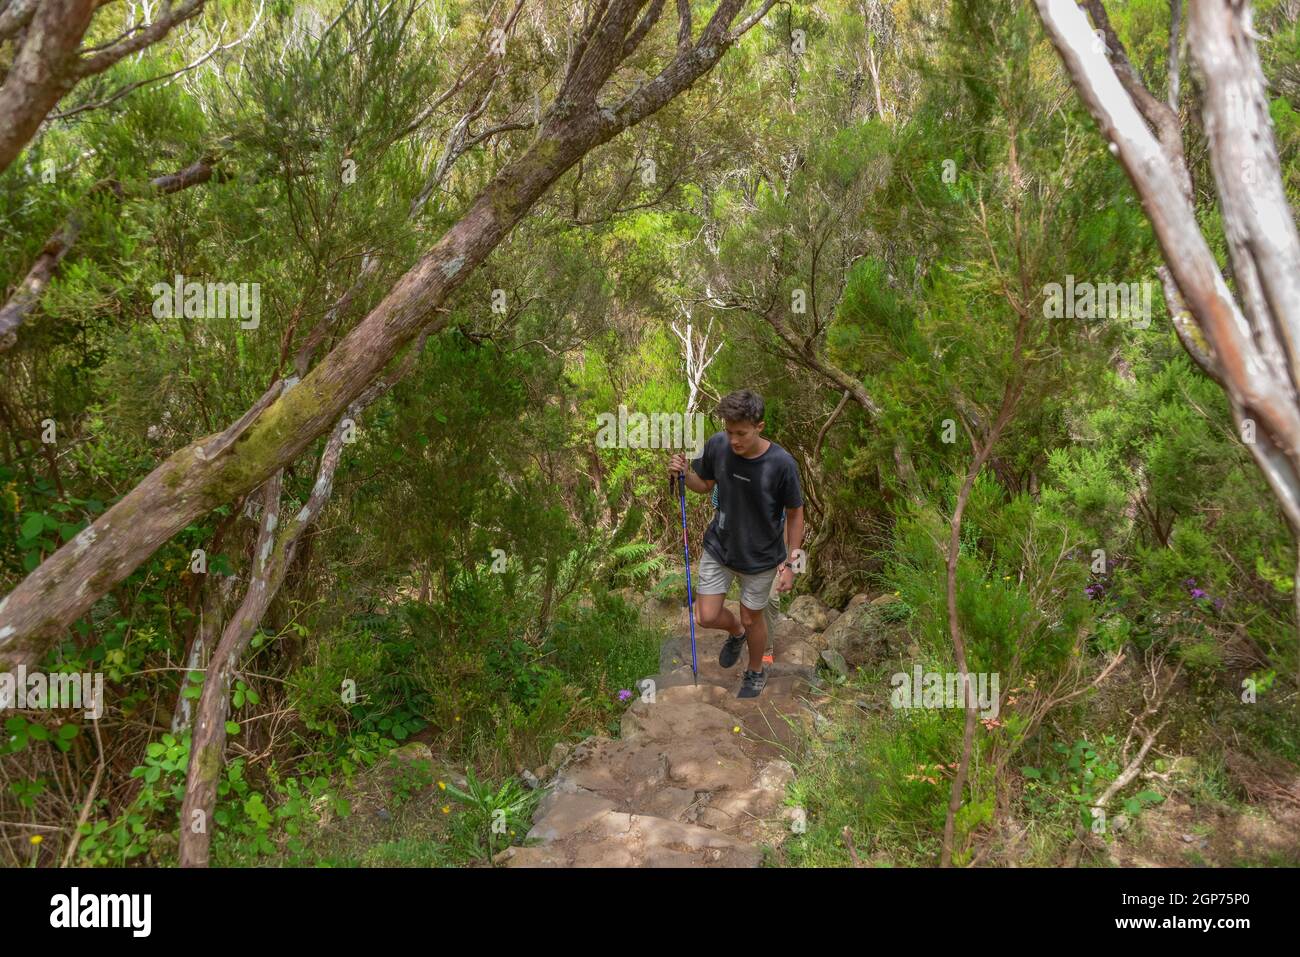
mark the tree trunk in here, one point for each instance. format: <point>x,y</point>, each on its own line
<point>48,62</point>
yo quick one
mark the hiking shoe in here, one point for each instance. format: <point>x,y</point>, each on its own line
<point>730,652</point>
<point>752,684</point>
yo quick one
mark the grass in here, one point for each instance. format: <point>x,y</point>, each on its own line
<point>865,773</point>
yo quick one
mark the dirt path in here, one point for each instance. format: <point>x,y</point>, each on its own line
<point>697,777</point>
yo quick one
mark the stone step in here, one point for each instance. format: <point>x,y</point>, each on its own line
<point>582,831</point>
<point>698,776</point>
<point>792,672</point>
<point>772,721</point>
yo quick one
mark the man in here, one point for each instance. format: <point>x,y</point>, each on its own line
<point>758,524</point>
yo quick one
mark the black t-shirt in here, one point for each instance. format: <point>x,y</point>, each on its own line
<point>748,531</point>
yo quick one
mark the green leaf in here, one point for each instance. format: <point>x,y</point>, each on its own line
<point>33,525</point>
<point>69,731</point>
<point>232,727</point>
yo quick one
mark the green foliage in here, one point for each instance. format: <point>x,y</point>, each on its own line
<point>919,176</point>
<point>490,818</point>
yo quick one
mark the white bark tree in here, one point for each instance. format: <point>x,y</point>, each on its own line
<point>1248,342</point>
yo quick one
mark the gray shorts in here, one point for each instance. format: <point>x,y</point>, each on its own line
<point>715,578</point>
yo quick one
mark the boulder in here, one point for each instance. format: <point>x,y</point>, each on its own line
<point>809,611</point>
<point>560,751</point>
<point>835,661</point>
<point>863,637</point>
<point>413,751</point>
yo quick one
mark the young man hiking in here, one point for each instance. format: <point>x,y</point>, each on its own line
<point>758,525</point>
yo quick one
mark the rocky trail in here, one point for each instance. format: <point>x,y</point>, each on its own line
<point>697,777</point>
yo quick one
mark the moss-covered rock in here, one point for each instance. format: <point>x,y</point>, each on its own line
<point>865,636</point>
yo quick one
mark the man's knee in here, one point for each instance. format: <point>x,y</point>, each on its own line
<point>748,616</point>
<point>705,616</point>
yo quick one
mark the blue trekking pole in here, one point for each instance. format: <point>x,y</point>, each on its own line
<point>690,599</point>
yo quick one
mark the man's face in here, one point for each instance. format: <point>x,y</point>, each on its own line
<point>743,436</point>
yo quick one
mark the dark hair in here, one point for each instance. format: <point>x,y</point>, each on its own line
<point>741,406</point>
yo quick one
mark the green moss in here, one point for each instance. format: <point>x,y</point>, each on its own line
<point>251,458</point>
<point>101,581</point>
<point>209,763</point>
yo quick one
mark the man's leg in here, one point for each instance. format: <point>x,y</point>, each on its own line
<point>713,581</point>
<point>756,632</point>
<point>710,612</point>
<point>755,597</point>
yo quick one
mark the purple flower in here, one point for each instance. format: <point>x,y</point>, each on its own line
<point>624,694</point>
<point>1197,593</point>
<point>1218,604</point>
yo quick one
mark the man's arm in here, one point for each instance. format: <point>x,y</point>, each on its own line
<point>697,484</point>
<point>793,531</point>
<point>793,539</point>
<point>679,464</point>
<point>793,502</point>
